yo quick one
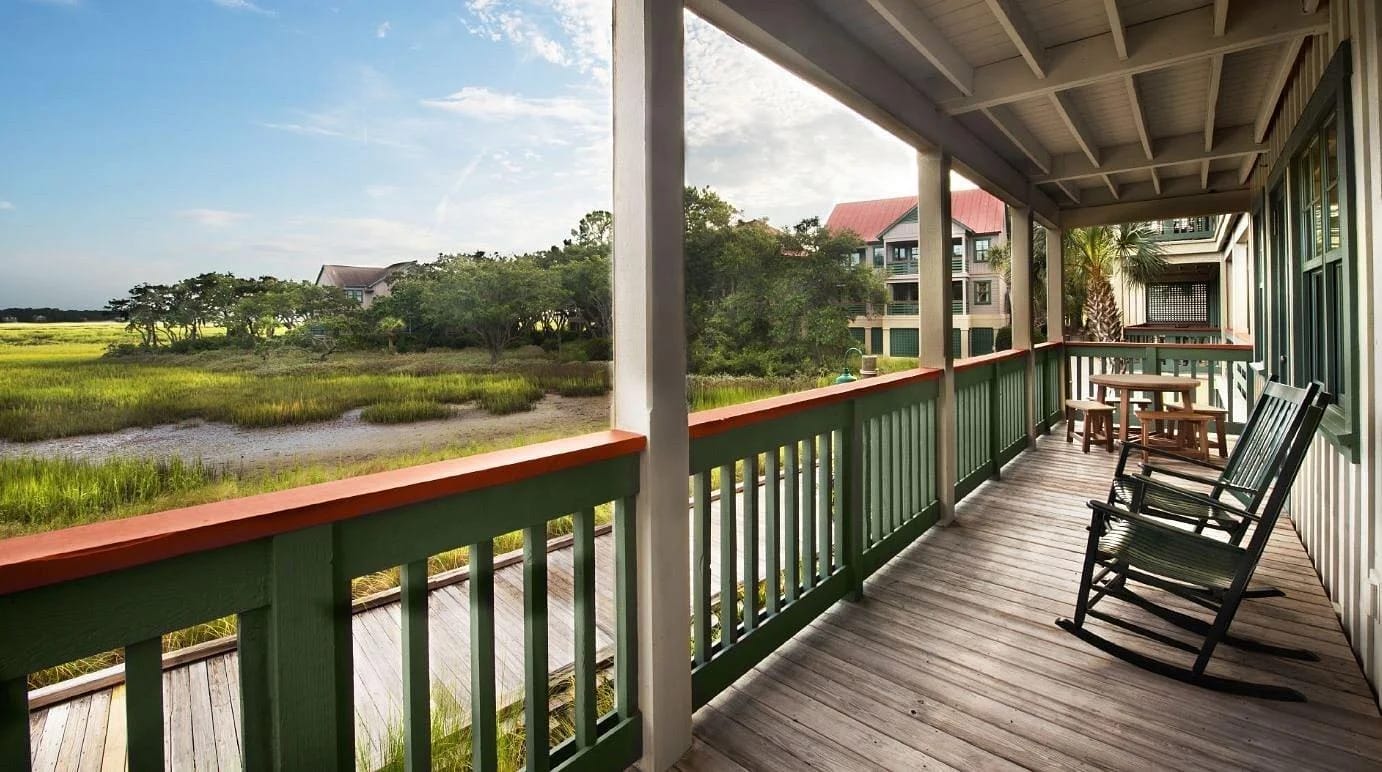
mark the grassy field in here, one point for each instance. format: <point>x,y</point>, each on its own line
<point>55,382</point>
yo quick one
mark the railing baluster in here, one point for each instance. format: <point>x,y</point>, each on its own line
<point>749,551</point>
<point>583,581</point>
<point>791,498</point>
<point>729,630</point>
<point>483,717</point>
<point>875,451</point>
<point>14,733</point>
<point>772,522</point>
<point>144,704</point>
<point>535,673</point>
<point>824,505</point>
<point>626,606</point>
<point>417,697</point>
<point>256,706</point>
<point>700,575</point>
<point>895,425</point>
<point>808,513</point>
<point>885,466</point>
<point>843,492</point>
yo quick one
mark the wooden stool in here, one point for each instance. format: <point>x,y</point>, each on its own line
<point>1098,418</point>
<point>1220,416</point>
<point>1189,427</point>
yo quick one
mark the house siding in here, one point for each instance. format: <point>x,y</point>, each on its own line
<point>1334,501</point>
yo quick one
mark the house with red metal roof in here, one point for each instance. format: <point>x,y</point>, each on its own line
<point>888,227</point>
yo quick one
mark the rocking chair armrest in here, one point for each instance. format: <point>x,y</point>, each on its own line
<point>1195,496</point>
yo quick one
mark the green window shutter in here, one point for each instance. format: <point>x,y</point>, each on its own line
<point>876,341</point>
<point>857,333</point>
<point>955,342</point>
<point>904,342</point>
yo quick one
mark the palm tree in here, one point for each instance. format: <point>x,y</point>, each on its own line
<point>1093,256</point>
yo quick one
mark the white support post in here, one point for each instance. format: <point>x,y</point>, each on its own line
<point>1055,298</point>
<point>933,293</point>
<point>650,352</point>
<point>1021,293</point>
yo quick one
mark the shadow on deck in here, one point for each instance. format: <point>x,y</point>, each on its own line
<point>953,660</point>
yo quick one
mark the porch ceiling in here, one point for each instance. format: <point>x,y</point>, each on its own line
<point>1088,110</point>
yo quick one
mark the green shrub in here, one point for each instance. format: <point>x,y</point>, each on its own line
<point>408,411</point>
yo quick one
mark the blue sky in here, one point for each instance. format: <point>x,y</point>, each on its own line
<point>146,141</point>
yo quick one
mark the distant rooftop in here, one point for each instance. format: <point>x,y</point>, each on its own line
<point>976,210</point>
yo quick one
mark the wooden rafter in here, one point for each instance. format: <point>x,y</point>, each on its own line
<point>1160,43</point>
<point>1139,118</point>
<point>1204,174</point>
<point>1070,190</point>
<point>1275,87</point>
<point>1156,180</point>
<point>1117,32</point>
<point>909,22</point>
<point>1019,29</point>
<point>1216,74</point>
<point>1230,142</point>
<point>1220,18</point>
<point>1112,186</point>
<point>1065,108</point>
<point>1017,133</point>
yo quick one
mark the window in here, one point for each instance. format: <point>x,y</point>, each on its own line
<point>983,293</point>
<point>358,295</point>
<point>878,254</point>
<point>957,247</point>
<point>981,250</point>
<point>1320,258</point>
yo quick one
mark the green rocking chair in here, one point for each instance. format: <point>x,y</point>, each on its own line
<point>1138,544</point>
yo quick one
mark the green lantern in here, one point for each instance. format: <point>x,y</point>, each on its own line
<point>845,375</point>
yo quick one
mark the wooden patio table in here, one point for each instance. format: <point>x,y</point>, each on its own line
<point>1127,383</point>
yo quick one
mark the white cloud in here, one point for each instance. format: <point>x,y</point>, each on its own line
<point>488,105</point>
<point>213,218</point>
<point>245,6</point>
<point>322,126</point>
<point>380,191</point>
<point>383,30</point>
<point>6,206</point>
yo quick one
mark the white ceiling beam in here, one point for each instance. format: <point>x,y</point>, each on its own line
<point>799,37</point>
<point>1066,110</point>
<point>1156,180</point>
<point>1018,134</point>
<point>1116,30</point>
<point>1185,148</point>
<point>1310,6</point>
<point>905,17</point>
<point>1177,203</point>
<point>1152,45</point>
<point>1220,18</point>
<point>1275,86</point>
<point>1246,167</point>
<point>1070,190</point>
<point>1020,32</point>
<point>1216,74</point>
<point>1112,186</point>
<point>1204,174</point>
<point>1139,119</point>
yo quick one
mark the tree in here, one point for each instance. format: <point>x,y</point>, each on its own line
<point>1093,256</point>
<point>390,327</point>
<point>491,299</point>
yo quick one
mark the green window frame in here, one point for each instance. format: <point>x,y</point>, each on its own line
<point>981,249</point>
<point>983,293</point>
<point>878,256</point>
<point>1315,261</point>
<point>358,295</point>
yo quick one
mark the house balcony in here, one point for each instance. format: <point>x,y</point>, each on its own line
<point>902,268</point>
<point>902,308</point>
<point>1183,228</point>
<point>862,632</point>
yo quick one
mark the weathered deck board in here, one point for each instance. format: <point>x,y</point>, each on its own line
<point>953,659</point>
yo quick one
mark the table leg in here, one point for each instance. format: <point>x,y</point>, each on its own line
<point>1124,413</point>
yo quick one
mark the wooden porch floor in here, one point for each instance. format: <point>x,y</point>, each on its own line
<point>953,660</point>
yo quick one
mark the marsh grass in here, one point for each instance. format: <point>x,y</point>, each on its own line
<point>61,383</point>
<point>450,730</point>
<point>44,494</point>
<point>706,392</point>
<point>406,411</point>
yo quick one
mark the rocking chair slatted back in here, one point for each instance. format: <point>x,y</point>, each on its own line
<point>1265,441</point>
<point>1302,434</point>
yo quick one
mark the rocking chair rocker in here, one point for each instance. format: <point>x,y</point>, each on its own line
<point>1142,545</point>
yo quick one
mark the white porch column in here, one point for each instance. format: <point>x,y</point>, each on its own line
<point>933,293</point>
<point>1055,298</point>
<point>650,353</point>
<point>1020,290</point>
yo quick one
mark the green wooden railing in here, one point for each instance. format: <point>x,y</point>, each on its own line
<point>902,308</point>
<point>1154,334</point>
<point>835,482</point>
<point>902,268</point>
<point>282,563</point>
<point>991,415</point>
<point>957,265</point>
<point>1049,402</point>
<point>856,309</point>
<point>957,306</point>
<point>1221,369</point>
